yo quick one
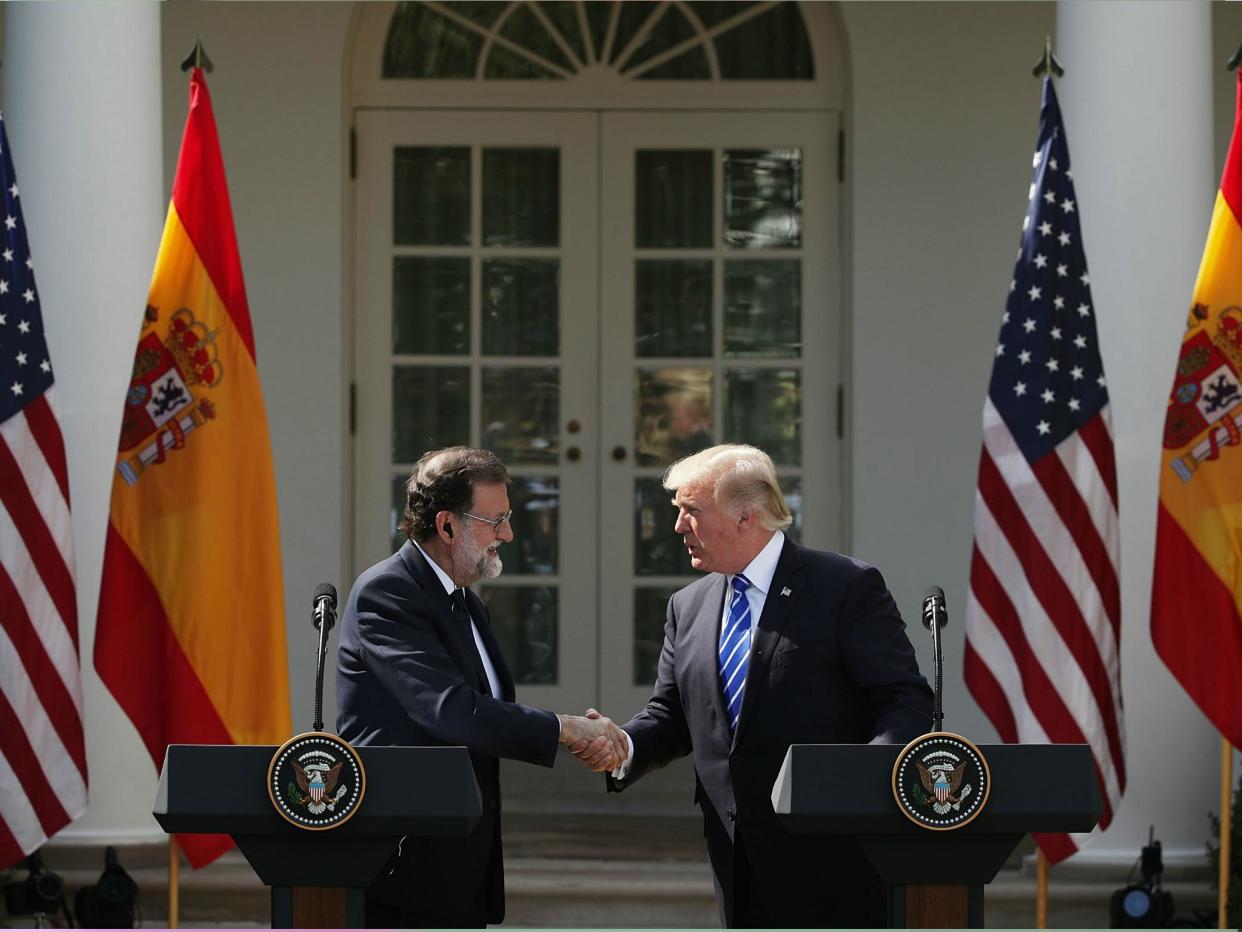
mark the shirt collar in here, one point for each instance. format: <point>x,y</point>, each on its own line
<point>762,568</point>
<point>445,579</point>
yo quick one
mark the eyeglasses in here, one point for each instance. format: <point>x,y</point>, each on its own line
<point>493,523</point>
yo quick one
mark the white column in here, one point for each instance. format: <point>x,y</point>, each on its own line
<point>82,96</point>
<point>1137,101</point>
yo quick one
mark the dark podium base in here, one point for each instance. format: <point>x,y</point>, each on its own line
<point>935,906</point>
<point>318,907</point>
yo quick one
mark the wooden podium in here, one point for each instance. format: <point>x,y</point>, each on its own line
<point>936,878</point>
<point>318,878</point>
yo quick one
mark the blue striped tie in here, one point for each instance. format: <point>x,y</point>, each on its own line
<point>735,650</point>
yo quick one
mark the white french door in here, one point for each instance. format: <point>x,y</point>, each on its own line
<point>592,295</point>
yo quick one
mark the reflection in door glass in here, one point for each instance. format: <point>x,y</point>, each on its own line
<point>524,620</point>
<point>521,307</point>
<point>431,305</point>
<point>674,414</point>
<point>430,409</point>
<point>763,308</point>
<point>650,605</point>
<point>763,407</point>
<point>431,196</point>
<point>763,198</point>
<point>673,307</point>
<point>672,198</point>
<point>520,413</point>
<point>521,197</point>
<point>535,501</point>
<point>658,550</point>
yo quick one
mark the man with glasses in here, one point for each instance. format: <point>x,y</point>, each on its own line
<point>418,665</point>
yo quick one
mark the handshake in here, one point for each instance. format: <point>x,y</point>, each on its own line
<point>595,740</point>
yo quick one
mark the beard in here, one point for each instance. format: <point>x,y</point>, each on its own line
<point>479,561</point>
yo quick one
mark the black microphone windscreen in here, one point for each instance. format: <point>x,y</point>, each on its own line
<point>322,590</point>
<point>933,592</point>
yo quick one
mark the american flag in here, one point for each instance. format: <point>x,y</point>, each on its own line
<point>1044,611</point>
<point>42,750</point>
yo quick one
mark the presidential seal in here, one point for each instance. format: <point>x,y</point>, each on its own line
<point>316,781</point>
<point>941,781</point>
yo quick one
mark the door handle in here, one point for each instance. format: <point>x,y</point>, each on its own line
<point>618,454</point>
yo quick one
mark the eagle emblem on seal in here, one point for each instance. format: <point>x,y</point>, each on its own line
<point>944,784</point>
<point>318,781</point>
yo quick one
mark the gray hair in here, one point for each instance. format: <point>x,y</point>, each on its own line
<point>742,478</point>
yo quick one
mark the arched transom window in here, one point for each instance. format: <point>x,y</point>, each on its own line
<point>561,40</point>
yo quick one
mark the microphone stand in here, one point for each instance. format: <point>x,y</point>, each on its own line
<point>319,661</point>
<point>938,707</point>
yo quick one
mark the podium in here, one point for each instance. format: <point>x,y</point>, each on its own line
<point>935,879</point>
<point>318,878</point>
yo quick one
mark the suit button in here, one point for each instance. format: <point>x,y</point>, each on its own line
<point>732,814</point>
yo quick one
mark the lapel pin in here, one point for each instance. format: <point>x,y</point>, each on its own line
<point>786,591</point>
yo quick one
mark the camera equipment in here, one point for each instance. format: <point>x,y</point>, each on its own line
<point>40,894</point>
<point>109,902</point>
<point>1143,905</point>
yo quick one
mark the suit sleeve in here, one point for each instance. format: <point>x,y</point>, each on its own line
<point>881,663</point>
<point>659,732</point>
<point>400,645</point>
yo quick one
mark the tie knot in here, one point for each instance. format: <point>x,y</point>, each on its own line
<point>740,583</point>
<point>458,598</point>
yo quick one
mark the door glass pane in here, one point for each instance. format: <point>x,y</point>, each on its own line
<point>673,307</point>
<point>773,45</point>
<point>672,29</point>
<point>650,606</point>
<point>763,198</point>
<point>423,44</point>
<point>536,504</point>
<point>674,414</point>
<point>431,196</point>
<point>520,413</point>
<point>672,198</point>
<point>658,549</point>
<point>431,305</point>
<point>504,64</point>
<point>430,409</point>
<point>524,620</point>
<point>763,308</point>
<point>398,508</point>
<point>633,14</point>
<point>564,16</point>
<point>521,307</point>
<point>764,407</point>
<point>524,28</point>
<point>791,487</point>
<point>521,197</point>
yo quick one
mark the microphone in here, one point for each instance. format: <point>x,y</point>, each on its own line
<point>935,617</point>
<point>934,608</point>
<point>325,605</point>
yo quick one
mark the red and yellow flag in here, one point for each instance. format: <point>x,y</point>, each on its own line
<point>1196,617</point>
<point>191,631</point>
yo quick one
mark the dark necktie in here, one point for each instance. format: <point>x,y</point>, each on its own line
<point>735,650</point>
<point>461,611</point>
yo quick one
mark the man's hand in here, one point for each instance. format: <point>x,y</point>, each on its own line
<point>595,740</point>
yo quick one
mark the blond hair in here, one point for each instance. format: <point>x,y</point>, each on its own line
<point>742,479</point>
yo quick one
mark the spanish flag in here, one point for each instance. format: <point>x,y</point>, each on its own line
<point>1196,618</point>
<point>191,631</point>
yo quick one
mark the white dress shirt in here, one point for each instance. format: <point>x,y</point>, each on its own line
<point>759,572</point>
<point>449,587</point>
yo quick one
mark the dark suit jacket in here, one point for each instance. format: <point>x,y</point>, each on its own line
<point>830,663</point>
<point>405,676</point>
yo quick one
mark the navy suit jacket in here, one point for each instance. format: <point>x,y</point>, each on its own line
<point>405,676</point>
<point>830,663</point>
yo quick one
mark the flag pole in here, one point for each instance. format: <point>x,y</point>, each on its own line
<point>1041,889</point>
<point>1050,66</point>
<point>174,882</point>
<point>1226,827</point>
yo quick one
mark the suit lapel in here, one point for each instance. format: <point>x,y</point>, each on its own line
<point>705,643</point>
<point>454,631</point>
<point>777,608</point>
